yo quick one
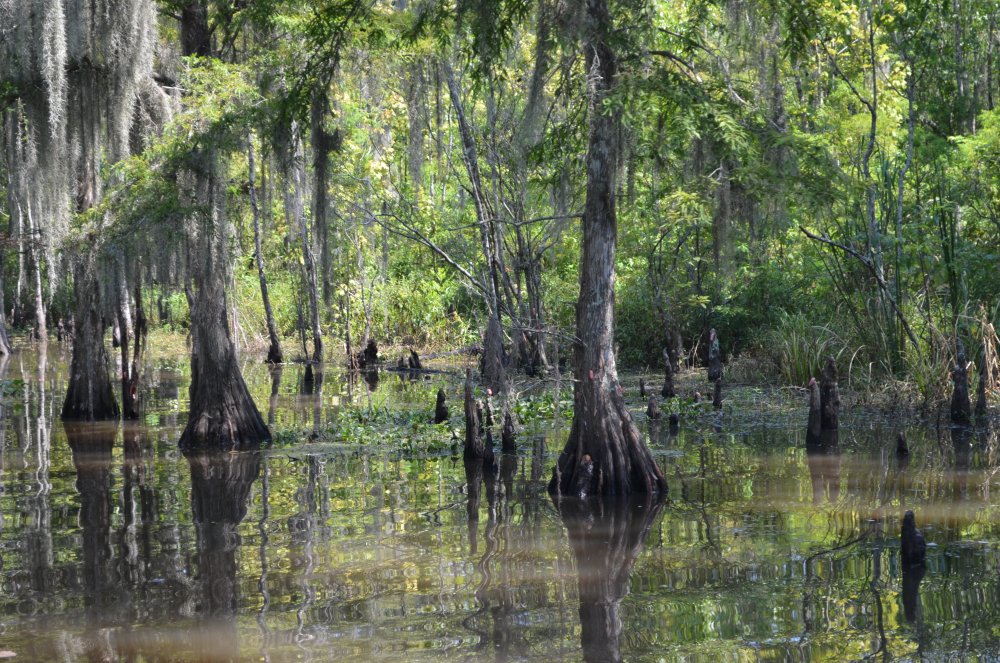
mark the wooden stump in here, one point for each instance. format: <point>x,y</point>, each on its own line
<point>414,361</point>
<point>508,434</point>
<point>717,395</point>
<point>642,389</point>
<point>815,411</point>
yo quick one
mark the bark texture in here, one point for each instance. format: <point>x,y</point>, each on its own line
<point>605,453</point>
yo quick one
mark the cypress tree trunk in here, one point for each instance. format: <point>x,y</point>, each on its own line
<point>221,414</point>
<point>605,453</point>
<point>89,395</point>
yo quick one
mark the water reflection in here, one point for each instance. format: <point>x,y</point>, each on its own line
<point>91,445</point>
<point>823,453</point>
<point>120,547</point>
<point>220,489</point>
<point>607,536</point>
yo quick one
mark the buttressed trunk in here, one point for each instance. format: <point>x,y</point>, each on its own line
<point>222,413</point>
<point>605,453</point>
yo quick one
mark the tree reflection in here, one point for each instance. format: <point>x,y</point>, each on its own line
<point>92,446</point>
<point>823,456</point>
<point>220,488</point>
<point>607,537</point>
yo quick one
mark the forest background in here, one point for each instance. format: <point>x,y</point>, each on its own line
<point>807,177</point>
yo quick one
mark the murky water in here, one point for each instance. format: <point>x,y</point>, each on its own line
<point>114,546</point>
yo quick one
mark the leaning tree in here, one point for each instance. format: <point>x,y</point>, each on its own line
<point>605,453</point>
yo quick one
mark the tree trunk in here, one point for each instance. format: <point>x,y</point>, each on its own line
<point>131,356</point>
<point>89,395</point>
<point>222,414</point>
<point>296,170</point>
<point>322,144</point>
<point>274,355</point>
<point>605,453</point>
<point>668,390</point>
<point>474,447</point>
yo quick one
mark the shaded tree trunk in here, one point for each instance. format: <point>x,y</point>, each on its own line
<point>829,396</point>
<point>604,447</point>
<point>474,447</point>
<point>89,395</point>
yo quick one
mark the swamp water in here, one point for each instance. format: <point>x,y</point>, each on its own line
<point>115,546</point>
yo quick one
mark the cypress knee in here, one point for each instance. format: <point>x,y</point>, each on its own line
<point>652,409</point>
<point>473,441</point>
<point>507,435</point>
<point>668,378</point>
<point>440,409</point>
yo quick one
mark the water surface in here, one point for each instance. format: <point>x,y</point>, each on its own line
<point>115,546</point>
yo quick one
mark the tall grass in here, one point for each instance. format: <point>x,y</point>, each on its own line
<point>799,349</point>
